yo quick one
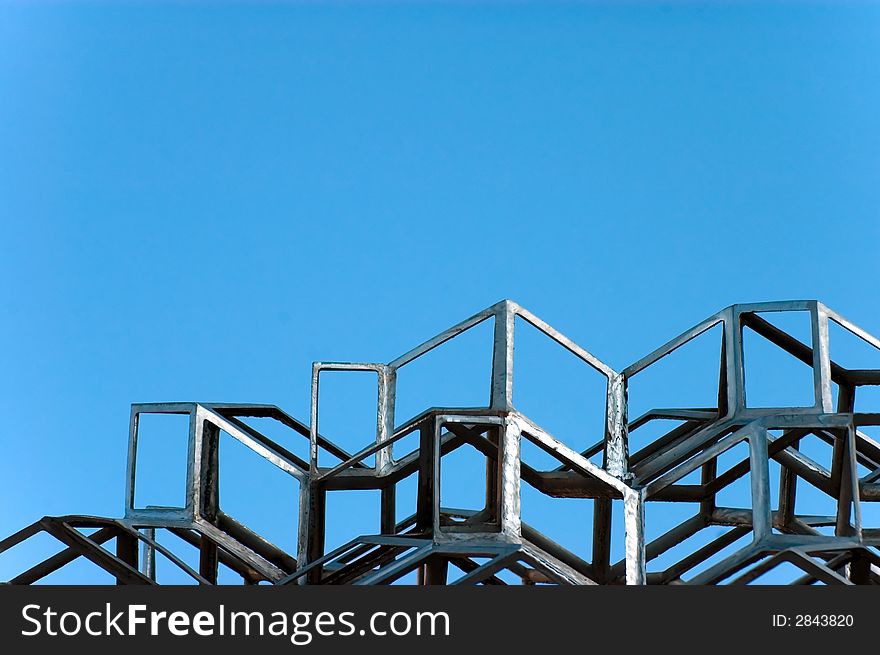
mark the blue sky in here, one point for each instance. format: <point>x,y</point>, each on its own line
<point>198,201</point>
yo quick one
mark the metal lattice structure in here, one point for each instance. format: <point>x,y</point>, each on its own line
<point>686,465</point>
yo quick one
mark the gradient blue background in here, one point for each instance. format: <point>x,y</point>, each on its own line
<point>197,201</point>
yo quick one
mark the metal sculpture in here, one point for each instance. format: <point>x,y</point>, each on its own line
<point>491,544</point>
